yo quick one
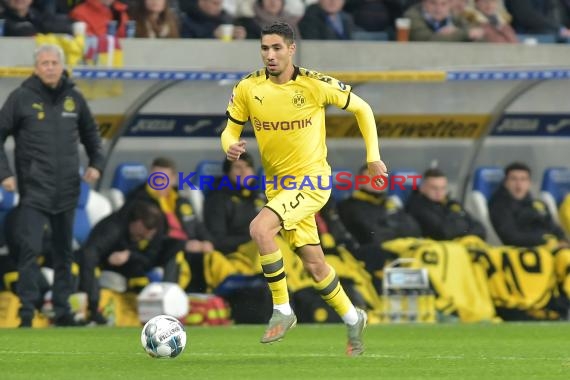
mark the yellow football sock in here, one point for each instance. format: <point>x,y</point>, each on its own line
<point>333,293</point>
<point>274,273</point>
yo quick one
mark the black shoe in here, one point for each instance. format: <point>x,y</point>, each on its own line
<point>25,323</point>
<point>98,319</point>
<point>68,320</point>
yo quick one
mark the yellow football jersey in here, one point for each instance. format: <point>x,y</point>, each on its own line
<point>288,119</point>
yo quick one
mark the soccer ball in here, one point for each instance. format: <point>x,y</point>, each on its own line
<point>163,337</point>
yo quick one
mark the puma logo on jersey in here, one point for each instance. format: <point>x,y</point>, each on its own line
<point>260,100</point>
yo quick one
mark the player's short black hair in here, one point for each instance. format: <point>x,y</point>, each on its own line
<point>227,165</point>
<point>433,173</point>
<point>517,166</point>
<point>281,29</point>
<point>148,213</point>
<point>164,162</point>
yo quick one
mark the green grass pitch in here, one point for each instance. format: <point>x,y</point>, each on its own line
<point>445,351</point>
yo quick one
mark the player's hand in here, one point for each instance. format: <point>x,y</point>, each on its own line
<point>118,258</point>
<point>9,183</point>
<point>194,246</point>
<point>91,175</point>
<point>378,169</point>
<point>236,150</point>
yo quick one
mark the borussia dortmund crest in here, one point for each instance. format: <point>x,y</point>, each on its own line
<point>69,104</point>
<point>299,100</point>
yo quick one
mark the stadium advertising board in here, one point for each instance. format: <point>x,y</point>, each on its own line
<point>389,126</point>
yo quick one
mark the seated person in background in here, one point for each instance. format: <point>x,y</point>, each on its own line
<point>517,217</point>
<point>183,229</point>
<point>266,12</point>
<point>228,211</point>
<point>155,19</point>
<point>206,17</point>
<point>97,14</point>
<point>432,20</point>
<point>494,20</point>
<point>128,242</point>
<point>181,222</point>
<point>373,218</point>
<point>439,216</point>
<point>564,213</point>
<point>538,17</point>
<point>23,20</point>
<point>370,15</point>
<point>326,20</point>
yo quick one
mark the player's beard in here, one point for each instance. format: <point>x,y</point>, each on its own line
<point>273,73</point>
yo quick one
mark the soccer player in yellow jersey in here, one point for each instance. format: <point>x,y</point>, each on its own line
<point>286,107</point>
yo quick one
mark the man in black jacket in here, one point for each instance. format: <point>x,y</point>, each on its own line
<point>373,218</point>
<point>47,117</point>
<point>440,217</point>
<point>26,20</point>
<point>128,242</point>
<point>326,20</point>
<point>229,210</point>
<point>517,217</point>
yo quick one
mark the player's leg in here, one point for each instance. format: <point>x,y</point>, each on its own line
<point>263,230</point>
<point>328,284</point>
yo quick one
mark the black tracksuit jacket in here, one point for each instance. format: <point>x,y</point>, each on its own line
<point>47,125</point>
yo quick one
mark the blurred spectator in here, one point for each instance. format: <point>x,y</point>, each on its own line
<point>326,21</point>
<point>23,20</point>
<point>370,15</point>
<point>127,242</point>
<point>373,218</point>
<point>206,18</point>
<point>432,20</point>
<point>518,218</point>
<point>537,17</point>
<point>228,210</point>
<point>98,13</point>
<point>441,217</point>
<point>564,212</point>
<point>265,13</point>
<point>155,19</point>
<point>495,21</point>
<point>181,222</point>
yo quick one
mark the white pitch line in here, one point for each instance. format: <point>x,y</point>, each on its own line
<point>315,355</point>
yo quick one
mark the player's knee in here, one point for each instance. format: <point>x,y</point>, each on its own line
<point>257,230</point>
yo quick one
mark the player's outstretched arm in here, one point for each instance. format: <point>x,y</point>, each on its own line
<point>367,126</point>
